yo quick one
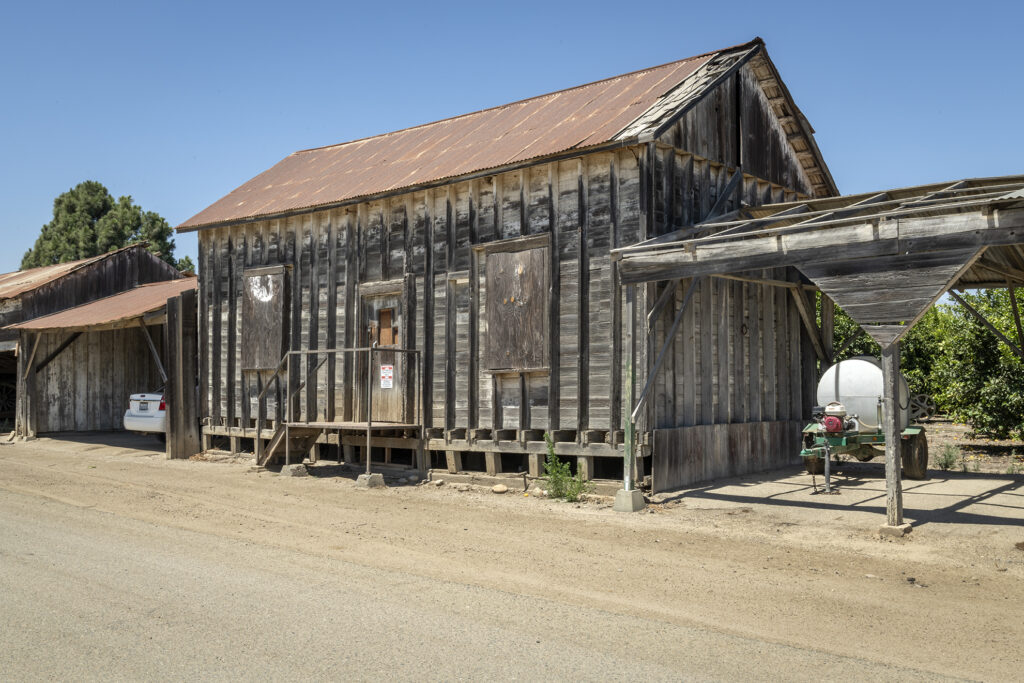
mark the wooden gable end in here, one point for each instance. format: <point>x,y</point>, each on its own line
<point>748,120</point>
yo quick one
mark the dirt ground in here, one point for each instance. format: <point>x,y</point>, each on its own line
<point>764,557</point>
<point>972,453</point>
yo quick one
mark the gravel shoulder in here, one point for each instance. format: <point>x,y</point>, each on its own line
<point>759,559</point>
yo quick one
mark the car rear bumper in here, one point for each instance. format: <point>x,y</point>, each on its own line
<point>150,423</point>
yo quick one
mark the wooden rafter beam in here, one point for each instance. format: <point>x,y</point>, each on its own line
<point>767,282</point>
<point>1011,274</point>
<point>660,304</point>
<point>1016,316</point>
<point>849,342</point>
<point>57,351</point>
<point>32,355</point>
<point>664,349</point>
<point>755,222</point>
<point>846,211</point>
<point>810,325</point>
<point>727,193</point>
<point>152,350</point>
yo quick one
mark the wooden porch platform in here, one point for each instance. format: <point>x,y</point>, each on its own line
<point>355,426</point>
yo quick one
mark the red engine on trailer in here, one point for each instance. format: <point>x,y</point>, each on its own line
<point>832,424</point>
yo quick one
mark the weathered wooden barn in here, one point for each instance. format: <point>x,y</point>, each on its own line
<point>70,378</point>
<point>474,252</point>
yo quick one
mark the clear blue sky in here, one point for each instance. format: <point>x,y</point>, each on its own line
<point>176,104</point>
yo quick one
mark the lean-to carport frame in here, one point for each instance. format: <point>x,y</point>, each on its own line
<point>884,257</point>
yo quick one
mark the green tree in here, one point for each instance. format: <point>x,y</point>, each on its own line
<point>87,221</point>
<point>977,379</point>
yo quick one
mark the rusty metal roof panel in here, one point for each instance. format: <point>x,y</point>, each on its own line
<point>576,118</point>
<point>21,281</point>
<point>125,306</point>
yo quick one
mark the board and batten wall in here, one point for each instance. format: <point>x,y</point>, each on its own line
<point>441,238</point>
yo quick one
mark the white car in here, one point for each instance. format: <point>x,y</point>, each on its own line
<point>146,413</point>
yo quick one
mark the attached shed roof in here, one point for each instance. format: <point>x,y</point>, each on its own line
<point>884,257</point>
<point>21,281</point>
<point>113,311</point>
<point>622,109</point>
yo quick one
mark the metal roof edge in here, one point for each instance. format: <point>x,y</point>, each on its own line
<point>440,182</point>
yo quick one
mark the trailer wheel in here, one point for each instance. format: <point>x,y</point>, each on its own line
<point>814,465</point>
<point>914,452</point>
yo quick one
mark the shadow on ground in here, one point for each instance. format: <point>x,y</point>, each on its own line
<point>945,498</point>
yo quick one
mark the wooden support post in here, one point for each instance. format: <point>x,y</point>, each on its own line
<point>828,328</point>
<point>891,429</point>
<point>422,457</point>
<point>454,461</point>
<point>493,463</point>
<point>535,466</point>
<point>629,453</point>
<point>585,467</point>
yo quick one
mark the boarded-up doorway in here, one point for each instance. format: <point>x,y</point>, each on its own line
<point>383,314</point>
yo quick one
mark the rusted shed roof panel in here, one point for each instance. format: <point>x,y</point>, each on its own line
<point>576,118</point>
<point>21,281</point>
<point>125,306</point>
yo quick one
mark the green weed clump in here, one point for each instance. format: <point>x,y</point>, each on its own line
<point>947,457</point>
<point>561,483</point>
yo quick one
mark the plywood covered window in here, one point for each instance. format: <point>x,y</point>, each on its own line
<point>264,309</point>
<point>517,309</point>
<point>386,333</point>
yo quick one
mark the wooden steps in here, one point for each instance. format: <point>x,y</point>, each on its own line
<point>295,441</point>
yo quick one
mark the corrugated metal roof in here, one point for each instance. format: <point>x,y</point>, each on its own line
<point>21,281</point>
<point>119,307</point>
<point>576,118</point>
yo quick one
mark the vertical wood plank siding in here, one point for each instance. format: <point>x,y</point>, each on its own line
<point>429,235</point>
<point>86,387</point>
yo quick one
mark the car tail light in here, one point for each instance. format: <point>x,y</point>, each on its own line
<point>163,405</point>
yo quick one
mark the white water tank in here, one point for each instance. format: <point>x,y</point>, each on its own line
<point>857,384</point>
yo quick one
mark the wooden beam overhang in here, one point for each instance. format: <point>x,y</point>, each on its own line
<point>837,239</point>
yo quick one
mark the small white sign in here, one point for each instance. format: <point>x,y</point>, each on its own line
<point>387,376</point>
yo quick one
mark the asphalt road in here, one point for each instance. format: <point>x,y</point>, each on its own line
<point>91,595</point>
